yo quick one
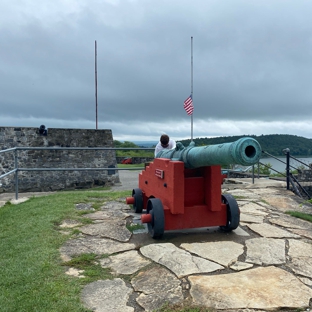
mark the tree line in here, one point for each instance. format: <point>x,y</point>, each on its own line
<point>273,144</point>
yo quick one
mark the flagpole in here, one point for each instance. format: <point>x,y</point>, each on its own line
<point>192,86</point>
<point>96,98</point>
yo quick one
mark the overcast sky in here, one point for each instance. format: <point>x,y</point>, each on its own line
<point>252,70</point>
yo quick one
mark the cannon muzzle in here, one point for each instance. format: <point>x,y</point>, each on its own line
<point>245,151</point>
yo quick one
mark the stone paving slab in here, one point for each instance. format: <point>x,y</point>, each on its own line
<point>300,253</point>
<point>178,260</point>
<point>98,246</point>
<point>224,253</point>
<point>291,222</point>
<point>244,194</point>
<point>266,251</point>
<point>157,286</point>
<point>225,271</point>
<point>114,228</point>
<point>253,209</point>
<point>107,296</point>
<point>304,233</point>
<point>248,218</point>
<point>282,202</point>
<point>268,230</point>
<point>107,215</point>
<point>239,266</point>
<point>260,288</point>
<point>115,205</point>
<point>125,263</point>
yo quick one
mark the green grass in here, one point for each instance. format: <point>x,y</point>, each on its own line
<point>134,153</point>
<point>32,277</point>
<point>134,227</point>
<point>300,215</point>
<point>130,165</point>
<point>92,270</point>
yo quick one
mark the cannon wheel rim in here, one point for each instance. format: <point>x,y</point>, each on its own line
<point>157,226</point>
<point>138,200</point>
<point>233,213</point>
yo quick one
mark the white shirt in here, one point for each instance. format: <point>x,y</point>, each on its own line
<point>158,148</point>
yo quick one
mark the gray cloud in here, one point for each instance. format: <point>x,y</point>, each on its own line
<point>252,66</point>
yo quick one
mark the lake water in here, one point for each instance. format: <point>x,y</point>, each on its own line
<point>281,167</point>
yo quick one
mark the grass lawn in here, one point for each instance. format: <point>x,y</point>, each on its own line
<point>31,273</point>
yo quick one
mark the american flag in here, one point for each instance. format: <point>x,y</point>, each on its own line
<point>188,105</point>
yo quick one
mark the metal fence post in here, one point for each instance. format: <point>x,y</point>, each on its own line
<point>253,174</point>
<point>16,174</point>
<point>287,153</point>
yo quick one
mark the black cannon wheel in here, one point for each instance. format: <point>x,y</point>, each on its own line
<point>233,213</point>
<point>138,200</point>
<point>157,226</point>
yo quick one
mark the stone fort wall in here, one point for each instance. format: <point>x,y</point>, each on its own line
<point>32,181</point>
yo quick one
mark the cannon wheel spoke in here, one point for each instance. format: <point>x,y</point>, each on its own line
<point>157,226</point>
<point>233,213</point>
<point>138,200</point>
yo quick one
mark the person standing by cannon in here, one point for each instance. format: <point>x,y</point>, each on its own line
<point>164,143</point>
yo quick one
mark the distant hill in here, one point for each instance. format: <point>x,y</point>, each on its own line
<point>145,143</point>
<point>272,143</point>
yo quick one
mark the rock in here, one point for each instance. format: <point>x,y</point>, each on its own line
<point>244,194</point>
<point>18,201</point>
<point>98,246</point>
<point>127,262</point>
<point>70,224</point>
<point>224,253</point>
<point>265,251</point>
<point>158,286</point>
<point>83,206</point>
<point>115,205</point>
<point>177,260</point>
<point>253,209</point>
<point>244,217</point>
<point>107,296</point>
<point>281,202</point>
<point>240,266</point>
<point>304,233</point>
<point>268,230</point>
<point>115,229</point>
<point>300,257</point>
<point>75,272</point>
<point>291,222</point>
<point>107,215</point>
<point>261,288</point>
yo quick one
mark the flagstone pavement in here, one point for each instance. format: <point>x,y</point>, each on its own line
<point>264,265</point>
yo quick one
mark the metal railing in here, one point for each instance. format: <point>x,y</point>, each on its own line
<point>17,169</point>
<point>290,178</point>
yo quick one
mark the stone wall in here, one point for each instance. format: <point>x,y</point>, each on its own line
<point>305,175</point>
<point>30,181</point>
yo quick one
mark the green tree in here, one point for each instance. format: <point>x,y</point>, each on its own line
<point>263,168</point>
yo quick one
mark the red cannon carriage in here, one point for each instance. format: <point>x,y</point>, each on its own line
<point>178,191</point>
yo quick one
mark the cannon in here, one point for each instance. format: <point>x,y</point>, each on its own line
<point>181,188</point>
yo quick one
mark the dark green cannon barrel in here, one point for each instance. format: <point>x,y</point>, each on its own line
<point>245,151</point>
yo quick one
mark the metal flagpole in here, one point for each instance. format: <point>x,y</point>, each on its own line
<point>96,100</point>
<point>192,86</point>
